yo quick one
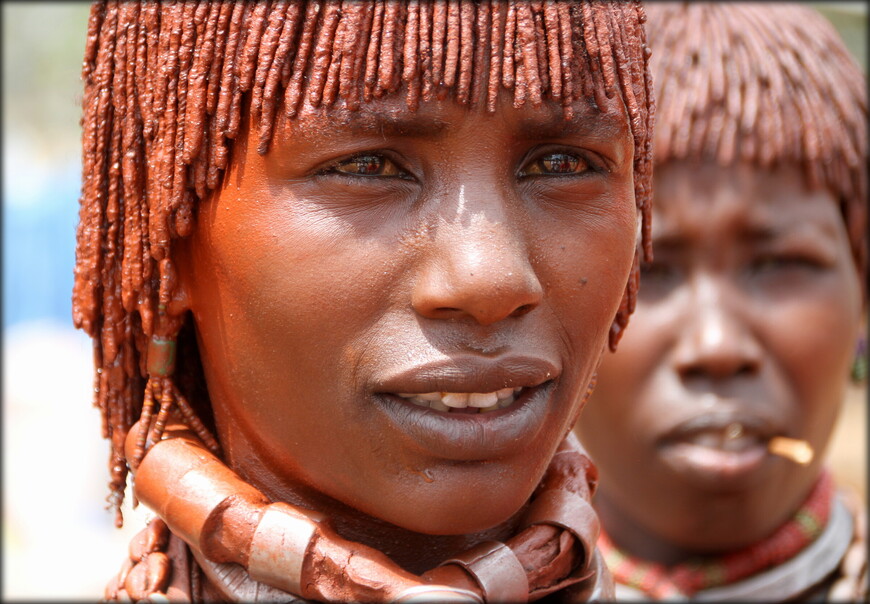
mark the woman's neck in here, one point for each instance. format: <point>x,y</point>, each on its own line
<point>413,551</point>
<point>696,529</point>
<point>632,537</point>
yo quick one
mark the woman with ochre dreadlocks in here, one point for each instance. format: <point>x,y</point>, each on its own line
<point>710,422</point>
<point>349,268</point>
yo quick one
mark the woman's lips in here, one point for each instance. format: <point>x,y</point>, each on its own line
<point>469,373</point>
<point>459,421</point>
<point>719,451</point>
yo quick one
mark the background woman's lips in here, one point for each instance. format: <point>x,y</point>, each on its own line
<point>471,437</point>
<point>714,468</point>
<point>719,451</point>
<point>750,423</point>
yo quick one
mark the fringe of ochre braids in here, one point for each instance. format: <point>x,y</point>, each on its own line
<point>765,84</point>
<point>165,84</point>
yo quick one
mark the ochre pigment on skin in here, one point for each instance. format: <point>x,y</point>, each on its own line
<point>165,86</point>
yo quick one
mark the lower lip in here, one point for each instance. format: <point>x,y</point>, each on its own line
<point>471,436</point>
<point>714,468</point>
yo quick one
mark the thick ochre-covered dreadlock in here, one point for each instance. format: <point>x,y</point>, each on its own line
<point>165,87</point>
<point>767,85</point>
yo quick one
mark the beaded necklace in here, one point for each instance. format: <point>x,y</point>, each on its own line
<point>687,578</point>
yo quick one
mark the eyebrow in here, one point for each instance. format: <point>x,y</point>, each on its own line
<point>599,125</point>
<point>676,241</point>
<point>554,125</point>
<point>362,122</point>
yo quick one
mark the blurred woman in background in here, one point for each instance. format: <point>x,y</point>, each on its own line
<point>710,423</point>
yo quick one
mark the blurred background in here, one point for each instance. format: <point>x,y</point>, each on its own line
<point>55,464</point>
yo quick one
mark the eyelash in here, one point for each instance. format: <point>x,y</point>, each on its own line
<point>578,165</point>
<point>582,165</point>
<point>384,160</point>
<point>659,270</point>
<point>783,261</point>
<point>663,273</point>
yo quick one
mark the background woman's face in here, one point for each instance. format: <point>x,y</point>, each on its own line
<point>747,317</point>
<point>379,254</point>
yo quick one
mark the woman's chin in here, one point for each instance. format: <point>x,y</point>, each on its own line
<point>459,516</point>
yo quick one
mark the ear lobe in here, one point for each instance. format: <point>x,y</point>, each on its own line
<point>179,300</point>
<point>174,300</point>
<point>178,278</point>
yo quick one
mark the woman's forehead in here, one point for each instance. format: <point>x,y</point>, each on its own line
<point>756,202</point>
<point>390,116</point>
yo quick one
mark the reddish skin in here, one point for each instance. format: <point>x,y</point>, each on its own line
<point>732,324</point>
<point>314,294</point>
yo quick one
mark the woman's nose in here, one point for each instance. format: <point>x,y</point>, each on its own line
<point>477,266</point>
<point>716,342</point>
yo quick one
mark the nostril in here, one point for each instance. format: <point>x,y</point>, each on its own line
<point>745,370</point>
<point>718,371</point>
<point>693,373</point>
<point>521,310</point>
<point>447,310</point>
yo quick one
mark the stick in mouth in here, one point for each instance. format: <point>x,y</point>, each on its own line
<point>798,451</point>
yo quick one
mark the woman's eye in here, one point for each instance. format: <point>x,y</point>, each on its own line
<point>658,279</point>
<point>766,264</point>
<point>368,165</point>
<point>556,164</point>
<point>662,274</point>
<point>656,270</point>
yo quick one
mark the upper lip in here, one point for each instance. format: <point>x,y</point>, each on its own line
<point>469,373</point>
<point>761,427</point>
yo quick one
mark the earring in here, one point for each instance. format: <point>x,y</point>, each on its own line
<point>859,364</point>
<point>163,396</point>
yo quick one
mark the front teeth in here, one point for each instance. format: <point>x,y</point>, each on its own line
<point>733,438</point>
<point>484,401</point>
<point>457,400</point>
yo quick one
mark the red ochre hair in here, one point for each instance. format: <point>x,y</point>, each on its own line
<point>765,84</point>
<point>167,85</point>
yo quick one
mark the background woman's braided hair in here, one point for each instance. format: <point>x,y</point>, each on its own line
<point>166,84</point>
<point>766,85</point>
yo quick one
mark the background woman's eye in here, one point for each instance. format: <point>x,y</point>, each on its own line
<point>556,164</point>
<point>368,165</point>
<point>658,279</point>
<point>770,263</point>
<point>656,270</point>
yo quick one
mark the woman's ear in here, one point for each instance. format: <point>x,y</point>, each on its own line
<point>179,299</point>
<point>180,278</point>
<point>174,296</point>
